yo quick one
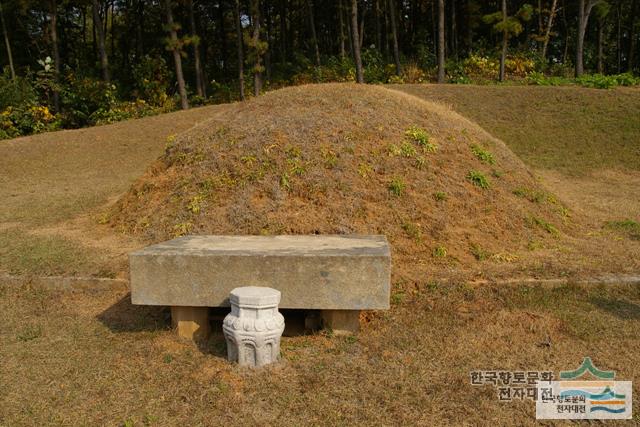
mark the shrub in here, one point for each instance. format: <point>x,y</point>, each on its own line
<point>124,110</point>
<point>151,80</point>
<point>597,81</point>
<point>539,79</point>
<point>27,120</point>
<point>18,92</point>
<point>83,96</point>
<point>412,73</point>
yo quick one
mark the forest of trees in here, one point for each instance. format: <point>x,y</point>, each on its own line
<point>70,63</point>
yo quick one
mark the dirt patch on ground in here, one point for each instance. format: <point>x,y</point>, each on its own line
<point>340,159</point>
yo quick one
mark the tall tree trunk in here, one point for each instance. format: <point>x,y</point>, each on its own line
<point>223,43</point>
<point>283,31</point>
<point>632,36</point>
<point>441,42</point>
<point>584,10</point>
<point>140,30</point>
<point>619,38</point>
<point>240,49</point>
<point>361,32</point>
<point>97,23</point>
<point>355,38</point>
<point>601,46</point>
<point>505,40</point>
<point>257,68</point>
<point>376,9</point>
<point>53,23</point>
<point>386,29</point>
<point>314,39</point>
<point>453,31</point>
<point>200,89</point>
<point>547,34</point>
<point>341,24</point>
<point>113,28</point>
<point>565,25</point>
<point>394,36</point>
<point>7,44</point>
<point>177,59</point>
<point>267,54</point>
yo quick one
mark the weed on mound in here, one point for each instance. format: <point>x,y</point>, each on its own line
<point>343,159</point>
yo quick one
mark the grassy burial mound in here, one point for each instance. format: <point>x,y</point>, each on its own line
<point>341,158</point>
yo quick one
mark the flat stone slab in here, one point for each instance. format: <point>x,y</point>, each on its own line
<point>327,272</point>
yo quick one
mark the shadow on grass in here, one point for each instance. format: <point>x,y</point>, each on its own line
<point>126,317</point>
<point>623,309</point>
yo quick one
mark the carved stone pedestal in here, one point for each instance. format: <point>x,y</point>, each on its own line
<point>254,326</point>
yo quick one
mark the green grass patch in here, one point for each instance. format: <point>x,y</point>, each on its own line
<point>482,154</point>
<point>397,187</point>
<point>440,252</point>
<point>22,253</point>
<point>545,225</point>
<point>412,230</point>
<point>629,227</point>
<point>440,196</point>
<point>531,195</point>
<point>596,129</point>
<point>417,134</point>
<point>478,179</point>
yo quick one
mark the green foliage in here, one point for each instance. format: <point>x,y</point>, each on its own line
<point>540,79</point>
<point>512,25</point>
<point>595,81</point>
<point>396,187</point>
<point>26,120</point>
<point>18,92</point>
<point>482,154</point>
<point>421,137</point>
<point>478,179</point>
<point>374,67</point>
<point>440,196</point>
<point>440,252</point>
<point>151,78</point>
<point>418,135</point>
<point>84,96</point>
<point>407,150</point>
<point>599,81</point>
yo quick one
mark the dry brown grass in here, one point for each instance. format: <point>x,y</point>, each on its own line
<point>51,184</point>
<point>326,163</point>
<point>78,359</point>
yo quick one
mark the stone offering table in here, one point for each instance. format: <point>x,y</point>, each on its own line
<point>338,275</point>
